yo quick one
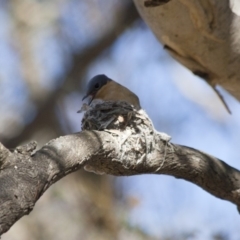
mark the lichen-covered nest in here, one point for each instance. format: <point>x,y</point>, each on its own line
<point>113,115</point>
<point>132,128</point>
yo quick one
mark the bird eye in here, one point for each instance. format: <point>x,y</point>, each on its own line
<point>97,85</point>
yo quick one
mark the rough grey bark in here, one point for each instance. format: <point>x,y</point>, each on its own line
<point>202,35</point>
<point>126,144</point>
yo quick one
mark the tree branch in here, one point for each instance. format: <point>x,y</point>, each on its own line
<point>126,144</point>
<point>202,35</point>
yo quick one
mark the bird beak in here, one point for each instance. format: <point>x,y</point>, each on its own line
<point>85,97</point>
<point>90,98</point>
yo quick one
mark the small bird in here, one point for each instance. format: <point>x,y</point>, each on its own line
<point>106,89</point>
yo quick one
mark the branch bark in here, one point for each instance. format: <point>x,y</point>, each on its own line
<point>203,35</point>
<point>126,144</point>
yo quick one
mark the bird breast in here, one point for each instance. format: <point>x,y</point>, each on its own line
<point>113,91</point>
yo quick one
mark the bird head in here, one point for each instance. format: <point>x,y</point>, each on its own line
<point>95,84</point>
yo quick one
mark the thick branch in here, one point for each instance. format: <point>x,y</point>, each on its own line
<point>203,35</point>
<point>24,178</point>
<point>123,150</point>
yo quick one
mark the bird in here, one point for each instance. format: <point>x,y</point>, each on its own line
<point>106,89</point>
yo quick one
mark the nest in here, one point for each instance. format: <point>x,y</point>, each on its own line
<point>114,115</point>
<point>133,128</point>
